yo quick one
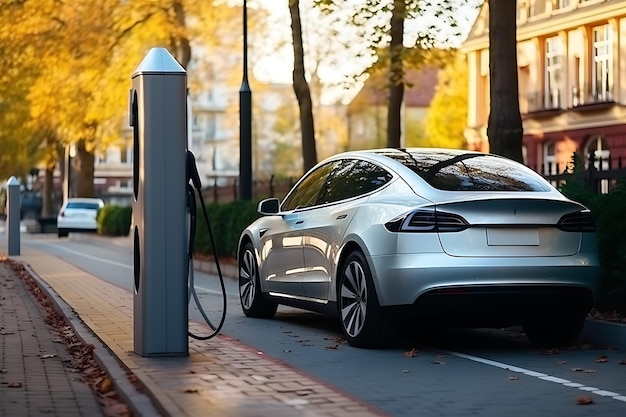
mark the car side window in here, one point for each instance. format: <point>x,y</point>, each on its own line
<point>351,179</point>
<point>307,191</point>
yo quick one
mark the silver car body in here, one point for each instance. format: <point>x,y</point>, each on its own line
<point>511,243</point>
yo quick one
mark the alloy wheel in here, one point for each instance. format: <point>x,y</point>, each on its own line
<point>353,299</point>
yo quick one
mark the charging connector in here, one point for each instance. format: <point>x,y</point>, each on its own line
<point>192,189</point>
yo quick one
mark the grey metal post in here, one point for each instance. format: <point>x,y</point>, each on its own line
<point>13,216</point>
<point>158,115</point>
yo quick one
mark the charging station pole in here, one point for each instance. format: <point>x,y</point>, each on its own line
<point>158,115</point>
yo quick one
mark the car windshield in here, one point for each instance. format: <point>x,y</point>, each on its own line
<point>82,205</point>
<point>455,171</point>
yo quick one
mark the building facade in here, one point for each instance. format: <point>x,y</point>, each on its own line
<point>571,57</point>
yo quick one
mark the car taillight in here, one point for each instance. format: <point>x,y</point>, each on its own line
<point>427,221</point>
<point>581,221</point>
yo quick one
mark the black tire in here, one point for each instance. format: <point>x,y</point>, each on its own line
<point>362,320</point>
<point>253,302</point>
<point>555,332</point>
<point>62,233</point>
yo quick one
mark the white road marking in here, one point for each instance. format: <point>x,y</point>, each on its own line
<point>95,258</point>
<point>542,376</point>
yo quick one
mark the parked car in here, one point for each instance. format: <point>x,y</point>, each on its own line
<point>78,215</point>
<point>447,237</point>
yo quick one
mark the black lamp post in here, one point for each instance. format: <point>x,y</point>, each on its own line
<point>245,120</point>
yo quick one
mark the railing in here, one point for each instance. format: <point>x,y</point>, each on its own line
<point>599,173</point>
<point>226,189</point>
<point>542,100</point>
<point>587,95</point>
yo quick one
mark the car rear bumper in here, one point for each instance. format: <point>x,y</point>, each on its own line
<point>407,279</point>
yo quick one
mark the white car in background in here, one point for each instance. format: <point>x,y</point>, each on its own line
<point>78,215</point>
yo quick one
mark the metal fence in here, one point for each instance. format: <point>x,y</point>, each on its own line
<point>601,174</point>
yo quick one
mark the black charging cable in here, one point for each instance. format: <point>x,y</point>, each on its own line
<point>194,178</point>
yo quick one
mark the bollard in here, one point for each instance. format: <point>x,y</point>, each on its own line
<point>13,216</point>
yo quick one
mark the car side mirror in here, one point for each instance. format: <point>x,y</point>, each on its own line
<point>269,206</point>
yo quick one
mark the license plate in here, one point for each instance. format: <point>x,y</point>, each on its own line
<point>512,237</point>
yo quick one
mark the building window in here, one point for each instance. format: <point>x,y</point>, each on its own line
<point>124,154</point>
<point>597,147</point>
<point>554,73</point>
<point>602,76</point>
<point>550,166</point>
<point>561,4</point>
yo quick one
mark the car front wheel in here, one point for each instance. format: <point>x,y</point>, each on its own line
<point>253,302</point>
<point>362,320</point>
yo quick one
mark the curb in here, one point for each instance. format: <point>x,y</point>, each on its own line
<point>140,404</point>
<point>605,333</point>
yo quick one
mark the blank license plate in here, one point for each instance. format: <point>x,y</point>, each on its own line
<point>512,237</point>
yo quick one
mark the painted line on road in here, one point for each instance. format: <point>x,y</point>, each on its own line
<point>542,376</point>
<point>95,258</point>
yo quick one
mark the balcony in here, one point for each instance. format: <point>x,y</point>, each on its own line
<point>544,104</point>
<point>590,98</point>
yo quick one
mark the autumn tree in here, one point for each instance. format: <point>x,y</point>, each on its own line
<point>504,128</point>
<point>301,88</point>
<point>447,115</point>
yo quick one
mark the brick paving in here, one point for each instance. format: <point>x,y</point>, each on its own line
<point>221,378</point>
<point>36,374</point>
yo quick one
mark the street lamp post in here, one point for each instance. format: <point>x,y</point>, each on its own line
<point>245,120</point>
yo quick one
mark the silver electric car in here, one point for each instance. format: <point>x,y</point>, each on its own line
<point>446,237</point>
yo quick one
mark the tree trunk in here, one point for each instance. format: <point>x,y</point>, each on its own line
<point>83,167</point>
<point>301,88</point>
<point>504,128</point>
<point>48,184</point>
<point>181,44</point>
<point>396,75</point>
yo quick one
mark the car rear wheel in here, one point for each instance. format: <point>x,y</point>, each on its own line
<point>253,302</point>
<point>555,332</point>
<point>362,320</point>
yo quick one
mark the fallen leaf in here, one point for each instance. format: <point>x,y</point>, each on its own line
<point>3,371</point>
<point>602,359</point>
<point>549,352</point>
<point>48,355</point>
<point>286,351</point>
<point>513,378</point>
<point>411,353</point>
<point>105,385</point>
<point>584,400</point>
<point>191,391</point>
<point>562,362</point>
<point>622,362</point>
<point>405,371</point>
<point>332,347</point>
<point>577,369</point>
<point>14,385</point>
<point>438,363</point>
<point>589,371</point>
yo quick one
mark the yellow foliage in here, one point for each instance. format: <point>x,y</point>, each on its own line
<point>447,116</point>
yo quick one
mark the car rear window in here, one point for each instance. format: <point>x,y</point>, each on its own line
<point>457,171</point>
<point>83,205</point>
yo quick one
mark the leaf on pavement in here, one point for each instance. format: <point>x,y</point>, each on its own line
<point>438,363</point>
<point>602,359</point>
<point>191,391</point>
<point>411,353</point>
<point>562,362</point>
<point>513,378</point>
<point>622,362</point>
<point>3,371</point>
<point>584,400</point>
<point>549,352</point>
<point>14,385</point>
<point>48,355</point>
<point>577,369</point>
<point>332,347</point>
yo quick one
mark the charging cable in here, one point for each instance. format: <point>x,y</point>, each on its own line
<point>194,177</point>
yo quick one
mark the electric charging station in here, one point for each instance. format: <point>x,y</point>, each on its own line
<point>158,115</point>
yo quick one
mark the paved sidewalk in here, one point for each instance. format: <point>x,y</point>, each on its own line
<point>221,378</point>
<point>37,376</point>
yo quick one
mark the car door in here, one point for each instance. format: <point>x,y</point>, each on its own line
<point>281,241</point>
<point>324,227</point>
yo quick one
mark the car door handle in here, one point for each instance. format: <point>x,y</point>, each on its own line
<point>300,222</point>
<point>342,216</point>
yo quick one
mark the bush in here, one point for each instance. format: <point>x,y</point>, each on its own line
<point>227,221</point>
<point>114,220</point>
<point>607,210</point>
